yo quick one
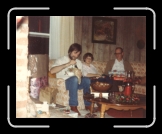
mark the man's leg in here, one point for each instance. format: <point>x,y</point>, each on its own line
<point>115,85</point>
<point>72,86</point>
<point>85,85</point>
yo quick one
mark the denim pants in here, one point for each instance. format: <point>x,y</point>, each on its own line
<point>73,87</point>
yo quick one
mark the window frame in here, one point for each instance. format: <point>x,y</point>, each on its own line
<point>41,35</point>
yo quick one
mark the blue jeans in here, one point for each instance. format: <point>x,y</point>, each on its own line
<point>73,87</point>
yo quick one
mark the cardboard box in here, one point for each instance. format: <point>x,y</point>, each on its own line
<point>48,94</point>
<point>38,65</point>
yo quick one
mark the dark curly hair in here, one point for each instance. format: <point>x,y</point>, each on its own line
<point>75,47</point>
<point>87,55</point>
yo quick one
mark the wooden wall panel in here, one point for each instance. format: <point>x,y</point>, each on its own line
<point>129,31</point>
<point>78,30</point>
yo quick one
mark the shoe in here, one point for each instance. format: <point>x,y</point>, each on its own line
<point>74,108</point>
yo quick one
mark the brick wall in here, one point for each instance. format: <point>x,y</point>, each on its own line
<point>21,68</point>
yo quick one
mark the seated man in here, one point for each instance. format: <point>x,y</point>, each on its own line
<point>118,64</point>
<point>62,66</point>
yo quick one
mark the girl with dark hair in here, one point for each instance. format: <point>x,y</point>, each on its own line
<point>90,71</point>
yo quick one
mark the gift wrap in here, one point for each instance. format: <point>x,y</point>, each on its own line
<point>48,94</point>
<point>36,84</point>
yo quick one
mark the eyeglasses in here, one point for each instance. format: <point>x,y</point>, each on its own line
<point>89,58</point>
<point>117,53</point>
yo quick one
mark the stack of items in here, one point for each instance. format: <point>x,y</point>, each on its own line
<point>38,65</point>
<point>36,84</point>
<point>117,75</point>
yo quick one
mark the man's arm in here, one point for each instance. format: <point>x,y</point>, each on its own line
<point>58,68</point>
<point>93,75</point>
<point>128,66</point>
<point>108,66</point>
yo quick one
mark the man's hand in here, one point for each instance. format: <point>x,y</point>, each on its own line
<point>72,62</point>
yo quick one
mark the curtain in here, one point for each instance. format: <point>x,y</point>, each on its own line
<point>54,39</point>
<point>61,35</point>
<point>66,34</point>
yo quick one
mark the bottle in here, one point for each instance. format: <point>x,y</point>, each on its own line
<point>129,79</point>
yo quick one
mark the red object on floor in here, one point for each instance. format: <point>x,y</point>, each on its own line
<point>139,113</point>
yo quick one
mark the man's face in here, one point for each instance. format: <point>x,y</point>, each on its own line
<point>118,54</point>
<point>74,55</point>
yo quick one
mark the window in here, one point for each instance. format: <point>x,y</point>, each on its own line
<point>39,34</point>
<point>45,34</point>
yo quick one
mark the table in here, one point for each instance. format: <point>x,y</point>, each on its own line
<point>106,105</point>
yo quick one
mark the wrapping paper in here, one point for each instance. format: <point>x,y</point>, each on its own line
<point>36,84</point>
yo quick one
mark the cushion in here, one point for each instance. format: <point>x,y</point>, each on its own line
<point>51,62</point>
<point>51,75</point>
<point>139,68</point>
<point>143,80</point>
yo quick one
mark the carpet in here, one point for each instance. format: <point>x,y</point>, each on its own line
<point>83,112</point>
<point>58,111</point>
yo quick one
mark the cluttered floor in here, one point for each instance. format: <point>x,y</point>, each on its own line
<point>57,111</point>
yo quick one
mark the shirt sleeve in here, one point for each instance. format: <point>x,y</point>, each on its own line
<point>56,63</point>
<point>80,65</point>
<point>95,69</point>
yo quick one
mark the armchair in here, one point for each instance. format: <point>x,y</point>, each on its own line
<point>139,69</point>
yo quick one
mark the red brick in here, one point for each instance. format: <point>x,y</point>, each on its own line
<point>21,62</point>
<point>21,51</point>
<point>21,83</point>
<point>22,93</point>
<point>24,30</point>
<point>21,104</point>
<point>21,112</point>
<point>22,41</point>
<point>26,20</point>
<point>18,51</point>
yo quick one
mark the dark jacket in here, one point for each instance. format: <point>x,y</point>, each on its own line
<point>109,65</point>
